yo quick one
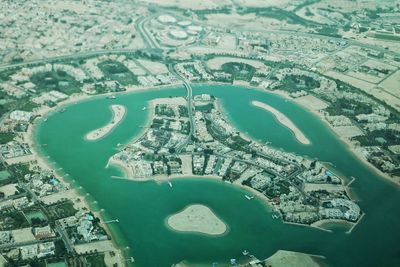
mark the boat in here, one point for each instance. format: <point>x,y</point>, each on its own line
<point>111,97</point>
<point>45,119</point>
<point>62,110</point>
<point>245,252</point>
<point>170,184</point>
<point>249,197</point>
<point>143,108</point>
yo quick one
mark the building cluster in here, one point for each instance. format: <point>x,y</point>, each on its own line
<point>13,150</point>
<point>37,218</point>
<point>59,29</point>
<point>44,183</point>
<point>168,133</point>
<point>172,32</point>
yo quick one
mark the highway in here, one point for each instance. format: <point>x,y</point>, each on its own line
<point>146,35</point>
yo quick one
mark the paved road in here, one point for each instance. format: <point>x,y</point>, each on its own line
<point>147,37</point>
<point>189,98</point>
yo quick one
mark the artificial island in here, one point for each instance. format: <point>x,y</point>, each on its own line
<point>194,138</point>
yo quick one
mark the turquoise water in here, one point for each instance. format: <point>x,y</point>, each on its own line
<point>142,207</point>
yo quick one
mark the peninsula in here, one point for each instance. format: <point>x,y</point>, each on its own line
<point>118,114</point>
<point>285,121</point>
<point>193,138</point>
<point>197,218</point>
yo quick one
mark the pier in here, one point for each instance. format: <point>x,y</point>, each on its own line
<point>112,221</point>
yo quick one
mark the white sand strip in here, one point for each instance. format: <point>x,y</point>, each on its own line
<point>118,115</point>
<point>285,121</point>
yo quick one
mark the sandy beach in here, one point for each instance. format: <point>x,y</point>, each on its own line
<point>197,218</point>
<point>290,258</point>
<point>284,121</point>
<point>79,200</point>
<point>119,112</point>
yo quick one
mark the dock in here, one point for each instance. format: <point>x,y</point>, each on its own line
<point>112,221</point>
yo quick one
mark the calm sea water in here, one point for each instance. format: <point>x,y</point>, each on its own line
<point>142,207</point>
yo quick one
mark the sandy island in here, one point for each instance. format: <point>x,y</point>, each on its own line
<point>197,218</point>
<point>118,115</point>
<point>284,121</point>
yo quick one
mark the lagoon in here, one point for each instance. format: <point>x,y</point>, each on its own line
<point>142,208</point>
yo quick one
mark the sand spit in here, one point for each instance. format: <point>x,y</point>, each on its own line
<point>118,114</point>
<point>284,121</point>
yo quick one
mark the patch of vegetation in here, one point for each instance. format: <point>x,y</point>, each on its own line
<point>294,83</point>
<point>6,137</point>
<point>205,108</point>
<point>117,71</point>
<point>10,220</point>
<point>96,260</point>
<point>201,14</point>
<point>56,80</point>
<point>379,138</point>
<point>305,3</point>
<point>348,108</point>
<point>183,111</point>
<point>19,170</point>
<point>279,14</point>
<point>164,110</point>
<point>36,217</point>
<point>61,210</point>
<point>329,31</point>
<point>5,74</point>
<point>390,37</point>
<point>239,71</point>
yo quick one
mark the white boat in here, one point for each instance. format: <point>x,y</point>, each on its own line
<point>249,197</point>
<point>170,184</point>
<point>245,252</point>
<point>143,108</point>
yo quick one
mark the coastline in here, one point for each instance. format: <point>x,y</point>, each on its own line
<point>80,97</point>
<point>44,163</point>
<point>349,145</point>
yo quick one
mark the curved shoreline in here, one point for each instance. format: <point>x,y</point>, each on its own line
<point>81,98</point>
<point>118,113</point>
<point>78,192</point>
<point>208,223</point>
<point>285,121</point>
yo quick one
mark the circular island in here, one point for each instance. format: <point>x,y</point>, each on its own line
<point>197,218</point>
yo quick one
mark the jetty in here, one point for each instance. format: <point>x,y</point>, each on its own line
<point>112,221</point>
